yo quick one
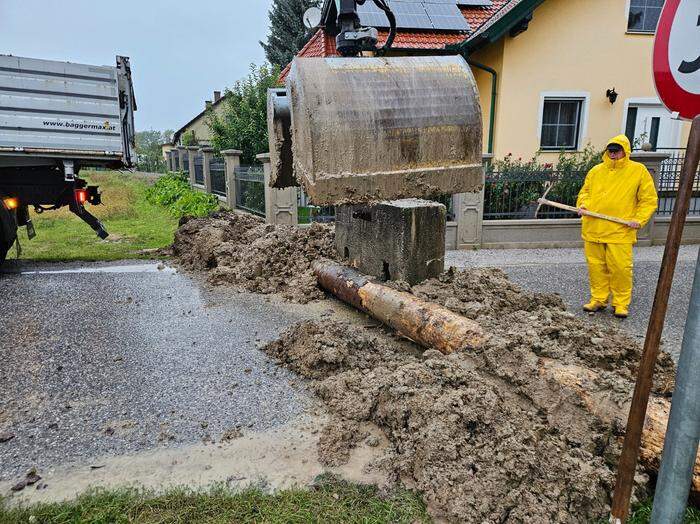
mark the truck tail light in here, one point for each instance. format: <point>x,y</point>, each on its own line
<point>81,196</point>
<point>11,203</point>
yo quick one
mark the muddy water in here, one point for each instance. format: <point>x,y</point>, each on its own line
<point>279,458</point>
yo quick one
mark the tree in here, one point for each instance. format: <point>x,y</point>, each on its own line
<point>189,138</point>
<point>242,124</point>
<point>148,149</point>
<point>287,31</point>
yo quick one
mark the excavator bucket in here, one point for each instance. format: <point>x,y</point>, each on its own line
<point>369,129</point>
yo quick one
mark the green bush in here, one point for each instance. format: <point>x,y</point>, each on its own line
<point>173,192</point>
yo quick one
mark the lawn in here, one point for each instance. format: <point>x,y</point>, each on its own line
<point>642,514</point>
<point>330,501</point>
<point>133,224</point>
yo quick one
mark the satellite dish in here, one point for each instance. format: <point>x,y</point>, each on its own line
<point>312,17</point>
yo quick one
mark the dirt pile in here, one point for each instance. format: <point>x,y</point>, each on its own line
<point>239,249</point>
<point>526,429</point>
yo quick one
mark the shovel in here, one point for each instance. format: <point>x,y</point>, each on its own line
<point>544,202</point>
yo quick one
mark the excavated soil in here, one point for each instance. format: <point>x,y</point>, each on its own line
<point>498,434</point>
<point>527,428</point>
<point>239,249</point>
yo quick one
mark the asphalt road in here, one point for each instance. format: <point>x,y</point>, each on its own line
<point>113,359</point>
<point>564,271</point>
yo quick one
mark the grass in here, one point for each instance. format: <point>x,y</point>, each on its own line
<point>641,514</point>
<point>331,501</point>
<point>133,223</point>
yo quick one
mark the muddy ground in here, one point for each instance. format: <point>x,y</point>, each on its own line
<point>524,429</point>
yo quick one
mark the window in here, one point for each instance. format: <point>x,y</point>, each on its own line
<point>644,15</point>
<point>561,123</point>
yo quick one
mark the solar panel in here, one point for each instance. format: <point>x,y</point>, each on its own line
<point>446,17</point>
<point>474,3</point>
<point>418,14</point>
<point>410,15</point>
<point>371,16</point>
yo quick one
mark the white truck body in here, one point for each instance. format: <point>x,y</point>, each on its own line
<point>57,119</point>
<point>60,109</point>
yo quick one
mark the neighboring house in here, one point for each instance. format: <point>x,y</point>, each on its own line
<point>550,65</point>
<point>199,124</point>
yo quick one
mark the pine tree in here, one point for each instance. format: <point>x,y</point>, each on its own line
<point>287,31</point>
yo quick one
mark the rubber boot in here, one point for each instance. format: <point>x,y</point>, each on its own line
<point>621,312</point>
<point>594,306</point>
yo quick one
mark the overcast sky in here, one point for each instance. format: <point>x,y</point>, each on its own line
<point>181,51</point>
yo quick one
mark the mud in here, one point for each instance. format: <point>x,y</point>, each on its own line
<point>240,250</point>
<point>525,429</point>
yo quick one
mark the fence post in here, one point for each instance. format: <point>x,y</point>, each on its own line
<point>207,153</point>
<point>171,159</point>
<point>180,158</point>
<point>232,160</point>
<point>652,160</point>
<point>280,204</point>
<point>192,154</point>
<point>469,211</point>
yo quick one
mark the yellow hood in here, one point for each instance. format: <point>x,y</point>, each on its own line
<point>623,141</point>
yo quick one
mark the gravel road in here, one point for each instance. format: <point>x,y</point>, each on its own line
<point>101,359</point>
<point>564,271</point>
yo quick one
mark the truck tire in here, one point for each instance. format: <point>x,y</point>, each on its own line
<point>4,248</point>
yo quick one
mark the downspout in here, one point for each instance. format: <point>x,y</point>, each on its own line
<point>492,115</point>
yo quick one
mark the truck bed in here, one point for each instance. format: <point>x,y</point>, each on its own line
<point>58,108</point>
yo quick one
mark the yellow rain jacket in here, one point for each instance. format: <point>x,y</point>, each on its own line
<point>620,188</point>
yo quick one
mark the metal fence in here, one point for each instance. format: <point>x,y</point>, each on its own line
<point>669,177</point>
<point>218,176</point>
<point>186,162</point>
<point>250,189</point>
<point>513,195</point>
<point>199,170</point>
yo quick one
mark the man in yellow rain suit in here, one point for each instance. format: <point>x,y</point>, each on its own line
<point>622,188</point>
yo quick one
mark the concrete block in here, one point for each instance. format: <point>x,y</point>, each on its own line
<point>393,240</point>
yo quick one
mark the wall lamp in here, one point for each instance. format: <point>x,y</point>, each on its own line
<point>612,95</point>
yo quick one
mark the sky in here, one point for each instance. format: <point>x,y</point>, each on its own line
<point>181,51</point>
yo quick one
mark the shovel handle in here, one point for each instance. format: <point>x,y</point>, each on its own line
<point>593,214</point>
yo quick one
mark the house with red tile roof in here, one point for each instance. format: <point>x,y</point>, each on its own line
<point>552,75</point>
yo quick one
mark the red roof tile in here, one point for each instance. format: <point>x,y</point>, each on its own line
<point>477,16</point>
<point>321,44</point>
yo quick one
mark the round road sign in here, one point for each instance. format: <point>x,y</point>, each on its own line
<point>677,57</point>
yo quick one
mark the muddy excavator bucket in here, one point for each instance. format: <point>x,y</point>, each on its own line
<point>369,129</point>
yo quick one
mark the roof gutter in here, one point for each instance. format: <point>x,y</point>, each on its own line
<point>492,111</point>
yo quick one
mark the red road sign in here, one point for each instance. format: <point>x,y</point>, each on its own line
<point>677,57</point>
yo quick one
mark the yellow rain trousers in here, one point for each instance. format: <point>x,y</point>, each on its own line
<point>621,188</point>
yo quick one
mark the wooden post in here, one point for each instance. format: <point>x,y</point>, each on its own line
<point>638,408</point>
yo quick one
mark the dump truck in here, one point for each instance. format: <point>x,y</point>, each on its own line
<point>56,119</point>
